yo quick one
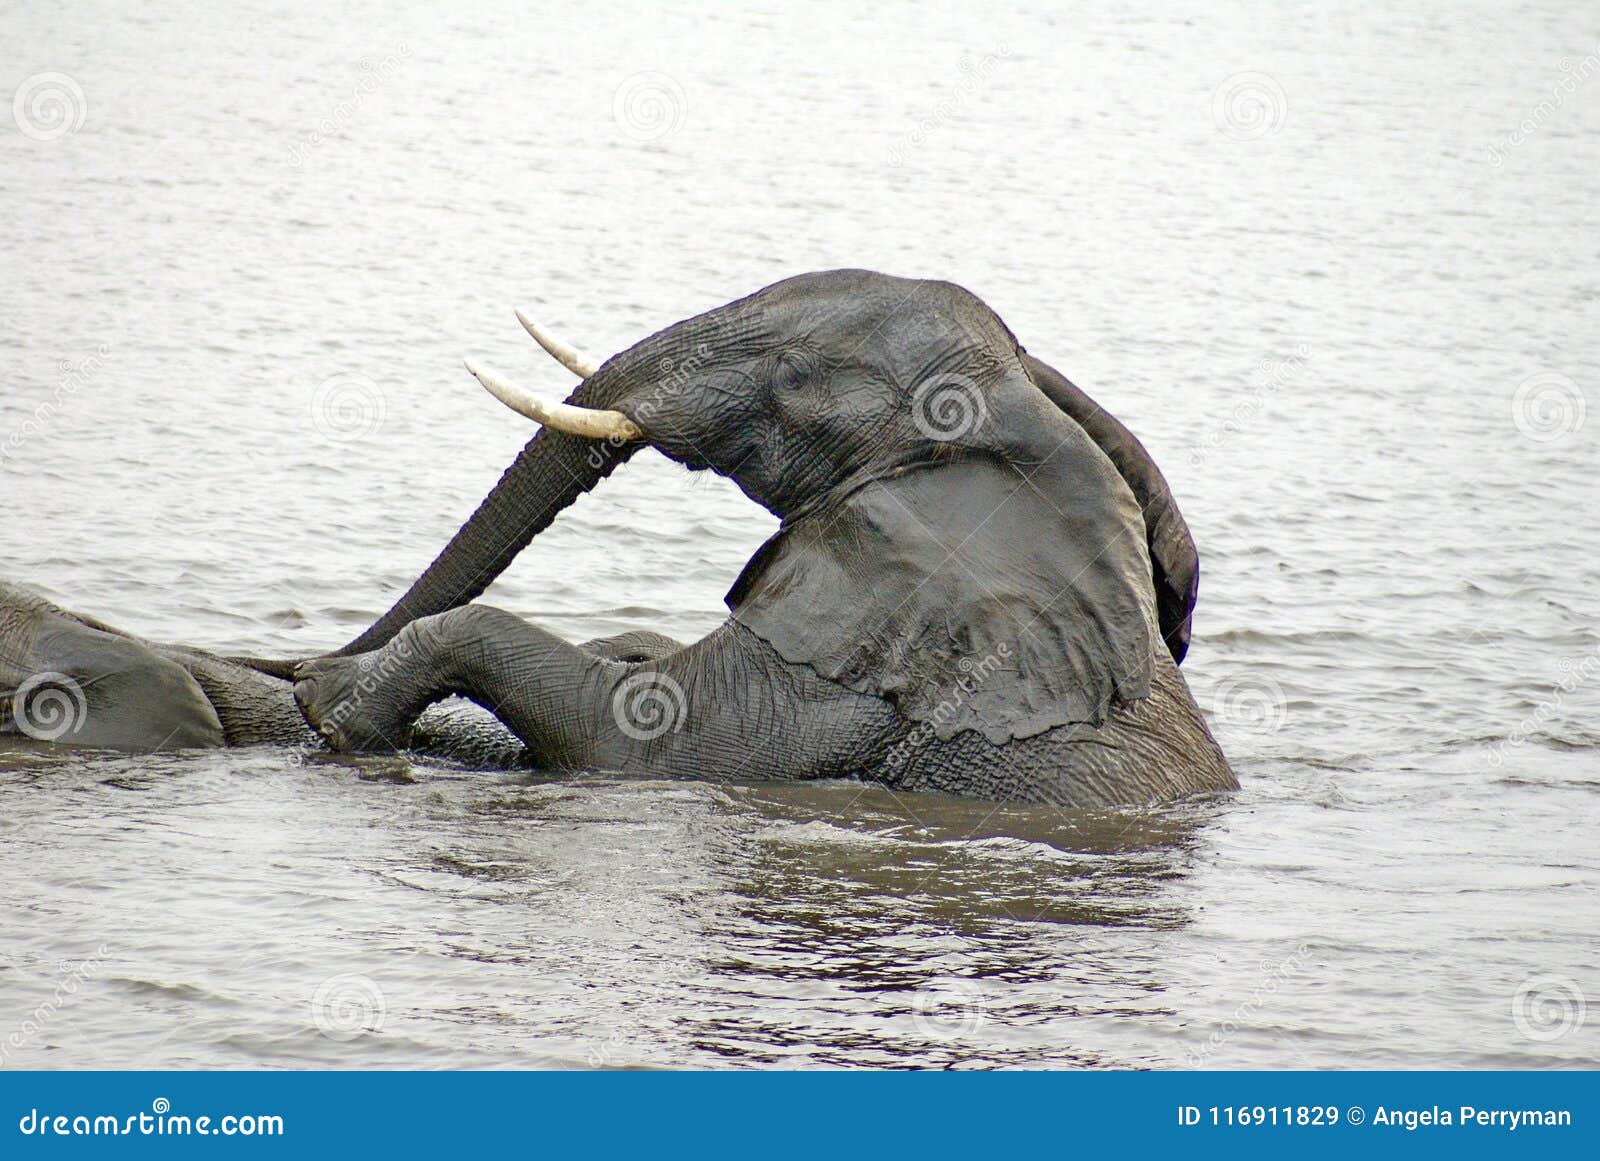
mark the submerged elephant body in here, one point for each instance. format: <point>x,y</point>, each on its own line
<point>981,583</point>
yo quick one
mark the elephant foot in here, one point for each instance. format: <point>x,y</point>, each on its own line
<point>341,698</point>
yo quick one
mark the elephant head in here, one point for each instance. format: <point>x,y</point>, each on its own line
<point>940,514</point>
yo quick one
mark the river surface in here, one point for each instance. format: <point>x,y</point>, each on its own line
<point>1340,272</point>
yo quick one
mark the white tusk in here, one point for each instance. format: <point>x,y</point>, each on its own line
<point>568,356</point>
<point>584,421</point>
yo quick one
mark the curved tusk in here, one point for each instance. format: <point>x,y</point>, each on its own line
<point>584,421</point>
<point>568,356</point>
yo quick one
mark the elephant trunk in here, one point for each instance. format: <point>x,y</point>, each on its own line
<point>552,471</point>
<point>580,444</point>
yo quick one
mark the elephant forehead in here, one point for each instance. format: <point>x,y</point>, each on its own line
<point>867,309</point>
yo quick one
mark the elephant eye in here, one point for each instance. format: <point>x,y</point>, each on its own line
<point>789,374</point>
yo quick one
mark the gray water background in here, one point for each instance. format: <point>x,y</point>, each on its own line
<point>1338,269</point>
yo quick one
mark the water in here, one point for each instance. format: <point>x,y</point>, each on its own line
<point>1357,324</point>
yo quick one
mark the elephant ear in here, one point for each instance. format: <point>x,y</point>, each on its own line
<point>1174,561</point>
<point>1003,593</point>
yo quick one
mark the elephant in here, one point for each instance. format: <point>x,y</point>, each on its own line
<point>981,583</point>
<point>70,679</point>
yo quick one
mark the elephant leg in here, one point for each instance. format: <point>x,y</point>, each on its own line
<point>543,688</point>
<point>726,707</point>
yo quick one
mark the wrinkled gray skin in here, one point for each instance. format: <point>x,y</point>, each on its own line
<point>72,680</point>
<point>992,608</point>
